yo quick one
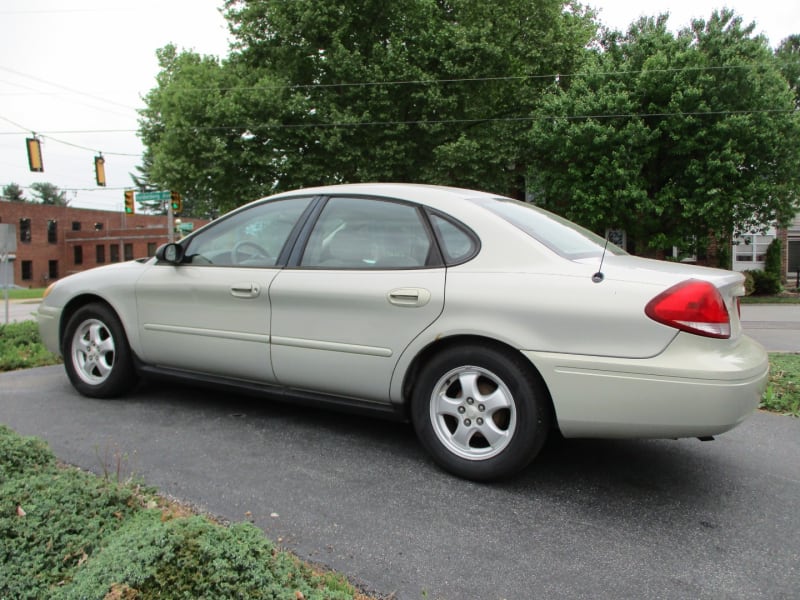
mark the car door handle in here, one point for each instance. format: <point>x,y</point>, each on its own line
<point>409,297</point>
<point>245,290</point>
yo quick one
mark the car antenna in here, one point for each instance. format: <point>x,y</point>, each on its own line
<point>598,277</point>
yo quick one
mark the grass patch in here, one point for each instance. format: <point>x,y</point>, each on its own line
<point>783,390</point>
<point>68,534</point>
<point>23,293</point>
<point>770,299</point>
<point>22,348</point>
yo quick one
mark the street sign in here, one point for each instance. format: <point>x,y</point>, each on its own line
<point>152,196</point>
<point>8,238</point>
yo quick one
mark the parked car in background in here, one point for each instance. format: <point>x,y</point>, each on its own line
<point>485,321</point>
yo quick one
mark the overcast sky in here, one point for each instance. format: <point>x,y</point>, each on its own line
<point>75,72</point>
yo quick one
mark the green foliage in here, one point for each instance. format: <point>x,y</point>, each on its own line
<point>773,261</point>
<point>70,535</point>
<point>48,193</point>
<point>321,91</point>
<point>13,192</point>
<point>783,392</point>
<point>765,284</point>
<point>788,54</point>
<point>671,137</point>
<point>51,520</point>
<point>21,347</point>
<point>193,558</point>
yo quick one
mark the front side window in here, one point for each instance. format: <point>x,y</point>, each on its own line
<point>358,233</point>
<point>253,237</point>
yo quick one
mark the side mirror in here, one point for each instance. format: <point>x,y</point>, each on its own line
<point>171,253</point>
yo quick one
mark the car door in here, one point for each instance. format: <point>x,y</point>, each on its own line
<point>211,313</point>
<point>369,281</point>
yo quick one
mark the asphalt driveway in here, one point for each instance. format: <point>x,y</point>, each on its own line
<point>589,519</point>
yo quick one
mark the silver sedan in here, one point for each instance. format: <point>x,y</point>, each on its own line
<point>485,321</point>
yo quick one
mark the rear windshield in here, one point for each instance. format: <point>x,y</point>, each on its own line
<point>557,233</point>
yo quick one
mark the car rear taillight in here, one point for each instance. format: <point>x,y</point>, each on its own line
<point>694,306</point>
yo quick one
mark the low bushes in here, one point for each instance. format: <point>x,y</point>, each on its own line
<point>70,535</point>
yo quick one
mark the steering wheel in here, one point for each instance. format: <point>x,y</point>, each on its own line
<point>238,255</point>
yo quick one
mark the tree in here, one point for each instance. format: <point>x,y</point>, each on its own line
<point>788,54</point>
<point>324,91</point>
<point>13,192</point>
<point>142,183</point>
<point>671,137</point>
<point>47,193</point>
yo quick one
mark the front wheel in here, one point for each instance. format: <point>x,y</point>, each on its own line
<point>482,413</point>
<point>97,357</point>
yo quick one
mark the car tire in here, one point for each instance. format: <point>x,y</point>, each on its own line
<point>96,353</point>
<point>483,413</point>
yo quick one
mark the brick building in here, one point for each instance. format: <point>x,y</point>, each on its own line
<point>55,241</point>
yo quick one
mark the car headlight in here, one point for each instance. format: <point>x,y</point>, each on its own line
<point>48,290</point>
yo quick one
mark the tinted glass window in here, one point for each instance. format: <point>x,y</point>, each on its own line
<point>560,235</point>
<point>354,233</point>
<point>456,243</point>
<point>250,238</point>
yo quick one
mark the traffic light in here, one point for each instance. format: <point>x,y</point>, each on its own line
<point>100,170</point>
<point>129,210</point>
<point>34,154</point>
<point>176,202</point>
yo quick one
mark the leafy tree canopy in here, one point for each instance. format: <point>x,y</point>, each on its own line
<point>48,193</point>
<point>13,192</point>
<point>324,91</point>
<point>671,137</point>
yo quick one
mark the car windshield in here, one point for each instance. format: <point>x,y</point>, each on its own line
<point>557,233</point>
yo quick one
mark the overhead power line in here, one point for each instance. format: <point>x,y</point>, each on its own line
<point>48,136</point>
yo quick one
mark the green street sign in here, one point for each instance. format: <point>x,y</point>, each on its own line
<point>152,196</point>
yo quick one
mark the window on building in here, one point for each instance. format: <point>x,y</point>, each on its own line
<point>25,230</point>
<point>52,231</point>
<point>78,252</point>
<point>752,248</point>
<point>151,248</point>
<point>52,269</point>
<point>114,252</point>
<point>100,254</point>
<point>128,251</point>
<point>98,227</point>
<point>27,270</point>
<point>76,226</point>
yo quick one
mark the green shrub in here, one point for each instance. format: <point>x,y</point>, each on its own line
<point>765,284</point>
<point>194,558</point>
<point>21,347</point>
<point>21,454</point>
<point>773,261</point>
<point>67,534</point>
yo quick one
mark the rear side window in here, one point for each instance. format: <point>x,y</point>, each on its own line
<point>557,233</point>
<point>457,244</point>
<point>365,233</point>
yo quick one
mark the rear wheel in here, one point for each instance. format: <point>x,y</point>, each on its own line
<point>482,413</point>
<point>97,357</point>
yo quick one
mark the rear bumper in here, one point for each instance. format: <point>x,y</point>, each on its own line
<point>696,387</point>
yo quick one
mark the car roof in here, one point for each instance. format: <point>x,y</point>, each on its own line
<point>413,192</point>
